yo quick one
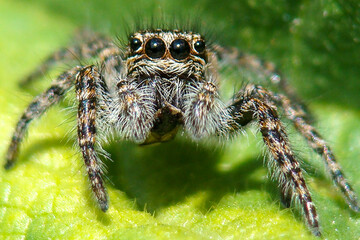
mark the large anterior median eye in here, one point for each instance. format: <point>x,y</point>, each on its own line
<point>179,49</point>
<point>155,48</point>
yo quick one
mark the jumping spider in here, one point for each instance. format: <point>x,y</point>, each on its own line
<point>164,80</point>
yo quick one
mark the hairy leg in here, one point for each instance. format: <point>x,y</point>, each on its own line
<point>236,58</point>
<point>299,118</point>
<point>318,144</point>
<point>91,45</point>
<point>36,108</point>
<point>297,112</point>
<point>266,69</point>
<point>252,104</point>
<point>86,91</point>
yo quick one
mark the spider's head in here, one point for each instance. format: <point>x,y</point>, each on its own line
<point>166,53</point>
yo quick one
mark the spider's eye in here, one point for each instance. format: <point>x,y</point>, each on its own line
<point>135,44</point>
<point>155,48</point>
<point>199,46</point>
<point>179,49</point>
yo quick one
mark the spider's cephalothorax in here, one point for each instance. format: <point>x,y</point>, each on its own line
<point>164,80</point>
<point>164,85</point>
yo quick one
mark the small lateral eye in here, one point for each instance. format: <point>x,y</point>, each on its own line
<point>199,46</point>
<point>179,49</point>
<point>135,44</point>
<point>155,48</point>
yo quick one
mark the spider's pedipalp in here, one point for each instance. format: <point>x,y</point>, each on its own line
<point>204,112</point>
<point>135,109</point>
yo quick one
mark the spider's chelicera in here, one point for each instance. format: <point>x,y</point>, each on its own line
<point>164,81</point>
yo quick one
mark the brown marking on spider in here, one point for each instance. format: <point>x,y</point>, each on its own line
<point>165,80</point>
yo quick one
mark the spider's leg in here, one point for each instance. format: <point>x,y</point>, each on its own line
<point>86,91</point>
<point>264,68</point>
<point>297,113</point>
<point>252,104</point>
<point>316,142</point>
<point>92,45</point>
<point>268,69</point>
<point>36,108</point>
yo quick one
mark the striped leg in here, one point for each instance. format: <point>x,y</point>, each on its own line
<point>316,142</point>
<point>264,68</point>
<point>36,108</point>
<point>92,45</point>
<point>234,57</point>
<point>253,104</point>
<point>299,118</point>
<point>86,88</point>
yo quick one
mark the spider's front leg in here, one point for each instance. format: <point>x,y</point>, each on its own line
<point>249,105</point>
<point>87,81</point>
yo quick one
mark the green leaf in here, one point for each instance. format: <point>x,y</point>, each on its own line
<point>180,189</point>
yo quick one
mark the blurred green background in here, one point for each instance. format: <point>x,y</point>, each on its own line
<point>181,189</point>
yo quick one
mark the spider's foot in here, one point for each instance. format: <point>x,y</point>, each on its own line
<point>316,232</point>
<point>104,204</point>
<point>9,164</point>
<point>354,205</point>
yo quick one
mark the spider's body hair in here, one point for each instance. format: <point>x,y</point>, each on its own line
<point>153,97</point>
